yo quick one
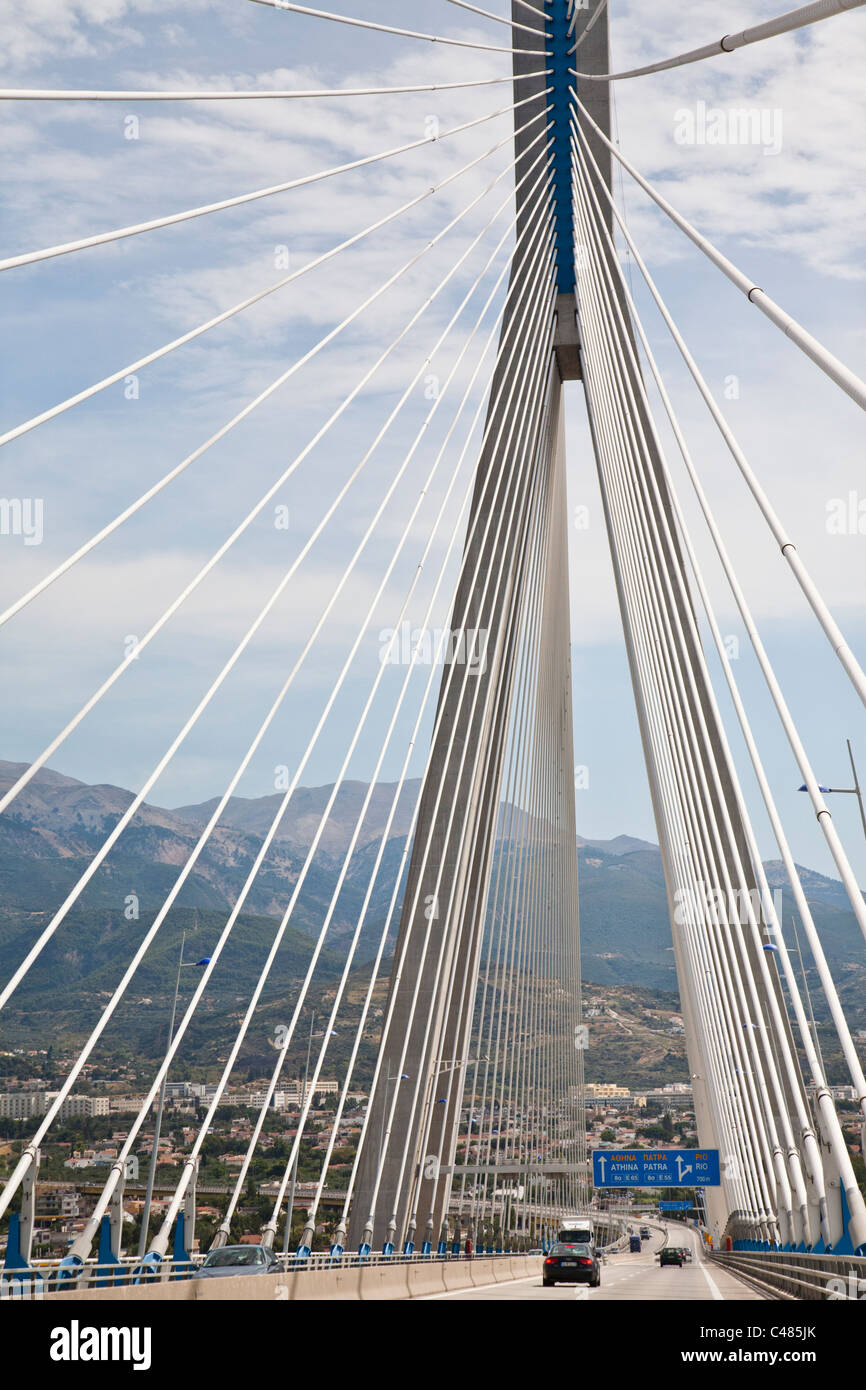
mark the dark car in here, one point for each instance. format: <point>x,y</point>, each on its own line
<point>671,1256</point>
<point>238,1259</point>
<point>571,1264</point>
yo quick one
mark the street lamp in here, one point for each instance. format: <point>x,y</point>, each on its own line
<point>856,790</point>
<point>291,1205</point>
<point>154,1153</point>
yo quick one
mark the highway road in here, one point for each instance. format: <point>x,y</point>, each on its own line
<point>630,1277</point>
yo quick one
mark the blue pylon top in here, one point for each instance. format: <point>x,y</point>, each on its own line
<point>560,104</point>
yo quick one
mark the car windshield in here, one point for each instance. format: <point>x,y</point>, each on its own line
<point>563,1248</point>
<point>581,1237</point>
<point>228,1258</point>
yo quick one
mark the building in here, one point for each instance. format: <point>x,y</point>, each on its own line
<point>178,1090</point>
<point>21,1105</point>
<point>296,1092</point>
<point>838,1092</point>
<point>75,1107</point>
<point>57,1204</point>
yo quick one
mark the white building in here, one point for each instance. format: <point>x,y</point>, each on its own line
<point>21,1105</point>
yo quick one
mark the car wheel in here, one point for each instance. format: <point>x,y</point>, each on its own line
<point>549,1283</point>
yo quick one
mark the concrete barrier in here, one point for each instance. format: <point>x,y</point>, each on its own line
<point>368,1283</point>
<point>455,1274</point>
<point>426,1279</point>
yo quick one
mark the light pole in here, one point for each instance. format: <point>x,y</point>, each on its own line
<point>856,790</point>
<point>154,1153</point>
<point>291,1205</point>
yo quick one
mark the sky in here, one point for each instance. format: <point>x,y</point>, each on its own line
<point>788,209</point>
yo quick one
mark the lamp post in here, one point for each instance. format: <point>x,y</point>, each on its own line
<point>856,790</point>
<point>154,1153</point>
<point>291,1205</point>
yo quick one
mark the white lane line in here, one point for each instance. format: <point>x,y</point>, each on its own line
<point>475,1288</point>
<point>714,1288</point>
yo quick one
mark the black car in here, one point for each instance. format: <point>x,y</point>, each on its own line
<point>571,1264</point>
<point>671,1256</point>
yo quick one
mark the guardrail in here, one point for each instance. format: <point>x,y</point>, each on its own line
<point>804,1277</point>
<point>323,1277</point>
<point>46,1278</point>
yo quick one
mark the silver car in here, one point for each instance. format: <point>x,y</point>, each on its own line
<point>232,1260</point>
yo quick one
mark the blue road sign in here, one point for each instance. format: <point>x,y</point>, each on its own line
<point>675,1206</point>
<point>656,1168</point>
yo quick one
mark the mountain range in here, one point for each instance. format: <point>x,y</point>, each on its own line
<point>56,824</point>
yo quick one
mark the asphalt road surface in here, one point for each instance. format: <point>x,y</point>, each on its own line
<point>631,1277</point>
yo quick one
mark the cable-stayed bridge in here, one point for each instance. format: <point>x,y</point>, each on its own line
<point>458,997</point>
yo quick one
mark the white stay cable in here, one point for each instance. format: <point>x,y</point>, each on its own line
<point>131,367</point>
<point>499,916</point>
<point>28,258</point>
<point>734,973</point>
<point>118,1167</point>
<point>498,19</point>
<point>804,911</point>
<point>190,1161</point>
<point>286,798</point>
<point>647,650</point>
<point>821,810</point>
<point>730,969</point>
<point>203,703</point>
<point>475,912</point>
<point>594,18</point>
<point>258,400</point>
<point>770,29</point>
<point>519,388</point>
<point>448,943</point>
<point>832,1126</point>
<point>828,623</point>
<point>85,94</point>
<point>389,29</point>
<point>510,1060</point>
<point>270,1229</point>
<point>51,748</point>
<point>830,365</point>
<point>362,918</point>
<point>307,1100</point>
<point>29,1153</point>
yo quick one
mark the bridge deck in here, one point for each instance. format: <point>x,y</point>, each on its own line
<point>632,1278</point>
